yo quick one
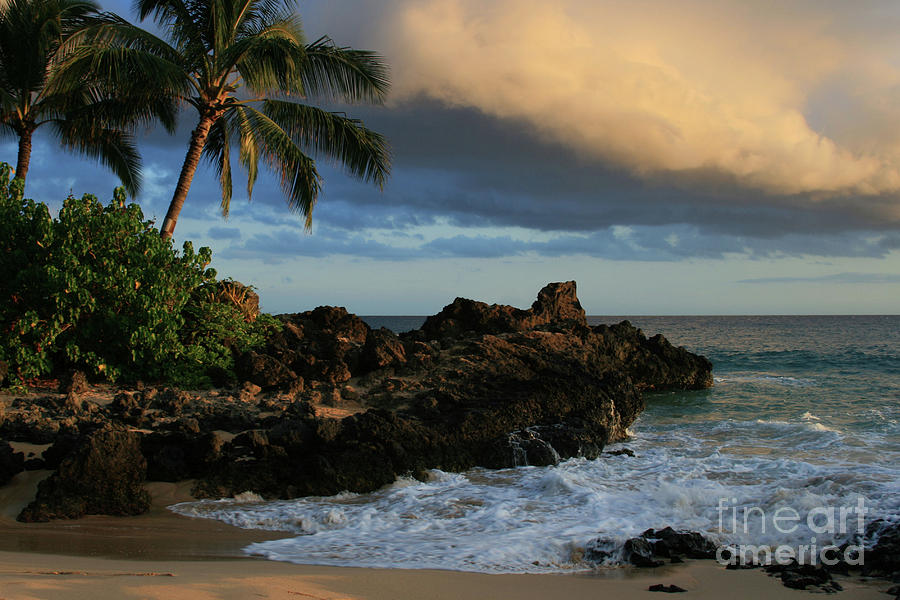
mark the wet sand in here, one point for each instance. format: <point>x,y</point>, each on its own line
<point>158,535</point>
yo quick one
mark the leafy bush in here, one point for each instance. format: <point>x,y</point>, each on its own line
<point>97,288</point>
<point>217,327</point>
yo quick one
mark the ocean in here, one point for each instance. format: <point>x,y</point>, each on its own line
<point>804,418</point>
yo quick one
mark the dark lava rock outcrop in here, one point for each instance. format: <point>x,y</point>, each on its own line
<point>805,576</point>
<point>329,404</point>
<point>649,548</point>
<point>11,463</point>
<point>556,307</point>
<point>478,385</point>
<point>882,557</point>
<point>103,475</point>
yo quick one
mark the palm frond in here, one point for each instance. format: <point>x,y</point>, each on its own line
<point>300,180</point>
<point>110,30</point>
<point>111,147</point>
<point>7,131</point>
<point>256,15</point>
<point>180,19</point>
<point>218,152</point>
<point>249,148</point>
<point>335,73</point>
<point>270,62</point>
<point>94,76</point>
<point>364,153</point>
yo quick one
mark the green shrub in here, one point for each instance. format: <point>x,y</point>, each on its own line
<point>216,330</point>
<point>26,231</point>
<point>97,288</point>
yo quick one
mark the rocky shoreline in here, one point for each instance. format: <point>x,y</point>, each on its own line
<point>329,404</point>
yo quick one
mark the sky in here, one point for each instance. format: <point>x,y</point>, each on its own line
<point>686,158</point>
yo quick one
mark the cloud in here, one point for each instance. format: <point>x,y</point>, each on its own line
<point>890,242</point>
<point>656,86</point>
<point>485,132</point>
<point>224,233</point>
<point>840,278</point>
<point>637,243</point>
<point>785,98</point>
<point>472,169</point>
<point>277,246</point>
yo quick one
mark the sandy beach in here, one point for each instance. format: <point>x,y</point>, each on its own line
<point>162,555</point>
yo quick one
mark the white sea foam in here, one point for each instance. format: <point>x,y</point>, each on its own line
<point>539,519</point>
<point>821,427</point>
<point>246,497</point>
<point>790,427</point>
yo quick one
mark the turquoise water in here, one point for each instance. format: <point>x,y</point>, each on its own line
<point>804,415</point>
<point>845,370</point>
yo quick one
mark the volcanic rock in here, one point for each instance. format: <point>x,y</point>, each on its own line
<point>668,589</point>
<point>556,306</point>
<point>73,382</point>
<point>179,455</point>
<point>802,576</point>
<point>639,552</point>
<point>263,370</point>
<point>103,476</point>
<point>499,394</point>
<point>668,543</point>
<point>645,550</point>
<point>382,349</point>
<point>883,556</point>
<point>11,462</point>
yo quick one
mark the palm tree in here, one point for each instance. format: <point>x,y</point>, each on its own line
<point>241,64</point>
<point>37,40</point>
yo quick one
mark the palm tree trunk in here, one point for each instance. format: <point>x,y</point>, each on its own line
<point>24,157</point>
<point>195,149</point>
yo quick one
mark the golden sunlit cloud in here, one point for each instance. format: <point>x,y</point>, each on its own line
<point>796,99</point>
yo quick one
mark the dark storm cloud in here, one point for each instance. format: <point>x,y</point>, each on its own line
<point>477,170</point>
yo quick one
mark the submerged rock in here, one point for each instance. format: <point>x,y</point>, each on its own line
<point>639,552</point>
<point>652,545</point>
<point>621,452</point>
<point>669,543</point>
